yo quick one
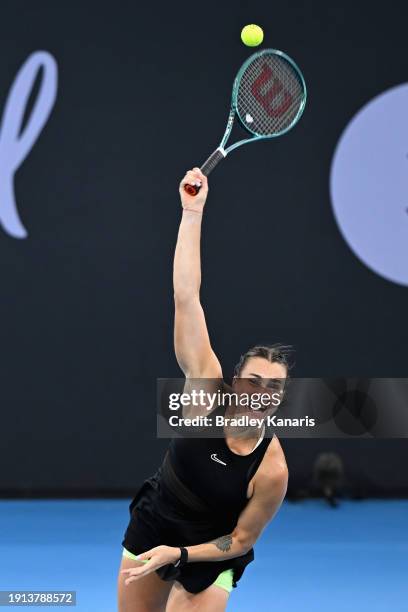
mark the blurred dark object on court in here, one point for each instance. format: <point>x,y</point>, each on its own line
<point>328,476</point>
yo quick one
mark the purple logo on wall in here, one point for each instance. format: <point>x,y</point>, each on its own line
<point>369,184</point>
<point>15,144</point>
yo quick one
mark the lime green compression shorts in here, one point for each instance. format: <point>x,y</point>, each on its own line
<point>224,579</point>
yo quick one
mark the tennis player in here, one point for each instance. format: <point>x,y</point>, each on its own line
<point>194,523</point>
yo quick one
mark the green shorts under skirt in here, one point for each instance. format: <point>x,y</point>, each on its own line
<point>224,579</point>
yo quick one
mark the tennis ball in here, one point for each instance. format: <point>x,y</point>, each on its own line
<point>252,35</point>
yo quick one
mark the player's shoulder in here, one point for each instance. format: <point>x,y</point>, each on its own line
<point>273,467</point>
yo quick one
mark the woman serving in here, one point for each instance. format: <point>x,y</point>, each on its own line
<point>194,523</point>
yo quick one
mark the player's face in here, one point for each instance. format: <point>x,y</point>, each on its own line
<point>260,376</point>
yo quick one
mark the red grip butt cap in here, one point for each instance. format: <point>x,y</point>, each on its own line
<point>191,189</point>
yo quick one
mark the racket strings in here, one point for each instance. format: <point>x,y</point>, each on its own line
<point>270,95</point>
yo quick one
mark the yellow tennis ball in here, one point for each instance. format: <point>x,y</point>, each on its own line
<point>252,35</point>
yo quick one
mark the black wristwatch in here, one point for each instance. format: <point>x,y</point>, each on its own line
<point>183,557</point>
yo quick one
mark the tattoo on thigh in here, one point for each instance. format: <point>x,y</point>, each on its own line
<point>223,543</point>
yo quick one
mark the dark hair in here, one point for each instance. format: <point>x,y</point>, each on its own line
<point>274,353</point>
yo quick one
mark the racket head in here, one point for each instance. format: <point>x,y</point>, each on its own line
<point>269,94</point>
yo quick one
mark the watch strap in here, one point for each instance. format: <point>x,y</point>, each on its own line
<point>183,557</point>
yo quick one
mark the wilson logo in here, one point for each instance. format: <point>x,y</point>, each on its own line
<point>266,97</point>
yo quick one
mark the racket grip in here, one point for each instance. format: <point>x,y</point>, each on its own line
<point>207,167</point>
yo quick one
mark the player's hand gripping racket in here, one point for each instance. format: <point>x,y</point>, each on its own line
<point>268,97</point>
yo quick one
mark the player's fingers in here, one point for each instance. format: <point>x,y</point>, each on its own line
<point>198,173</point>
<point>190,178</point>
<point>201,177</point>
<point>194,176</point>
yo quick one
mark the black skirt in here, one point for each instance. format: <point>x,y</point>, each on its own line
<point>157,518</point>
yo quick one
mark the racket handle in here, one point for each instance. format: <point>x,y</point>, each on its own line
<point>207,167</point>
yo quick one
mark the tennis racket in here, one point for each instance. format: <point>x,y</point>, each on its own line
<point>268,97</point>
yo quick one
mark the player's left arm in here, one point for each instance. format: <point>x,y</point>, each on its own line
<point>269,493</point>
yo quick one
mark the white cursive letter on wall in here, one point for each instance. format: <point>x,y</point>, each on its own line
<point>15,146</point>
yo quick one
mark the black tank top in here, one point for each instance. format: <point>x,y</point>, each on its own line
<point>205,473</point>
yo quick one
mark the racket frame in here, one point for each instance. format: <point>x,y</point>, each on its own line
<point>234,104</point>
<point>221,152</point>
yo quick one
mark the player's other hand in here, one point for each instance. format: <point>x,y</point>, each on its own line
<point>197,202</point>
<point>155,557</point>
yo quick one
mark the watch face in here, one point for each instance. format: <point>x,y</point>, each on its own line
<point>369,184</point>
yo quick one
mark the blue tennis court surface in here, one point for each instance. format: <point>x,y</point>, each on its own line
<point>310,558</point>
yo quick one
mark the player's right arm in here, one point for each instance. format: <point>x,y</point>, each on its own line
<point>193,349</point>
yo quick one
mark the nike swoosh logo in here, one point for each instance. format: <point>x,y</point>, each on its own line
<point>215,458</point>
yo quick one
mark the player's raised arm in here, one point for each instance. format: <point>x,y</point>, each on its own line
<point>191,340</point>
